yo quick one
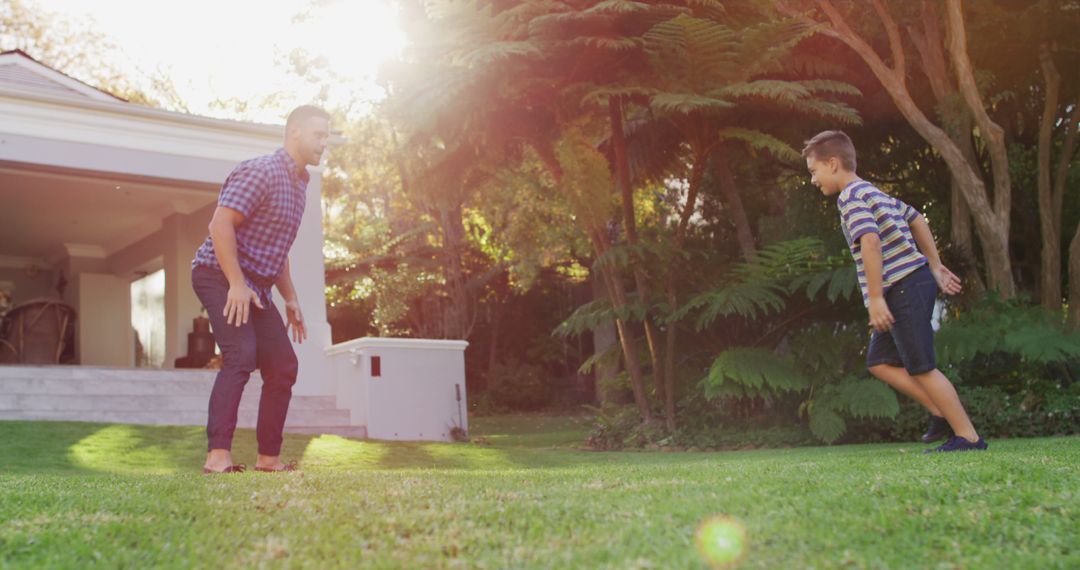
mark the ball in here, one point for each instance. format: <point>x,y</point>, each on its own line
<point>721,541</point>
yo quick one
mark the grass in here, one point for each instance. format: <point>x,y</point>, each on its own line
<point>76,495</point>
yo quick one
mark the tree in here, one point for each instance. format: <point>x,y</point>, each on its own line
<point>991,214</point>
<point>82,52</point>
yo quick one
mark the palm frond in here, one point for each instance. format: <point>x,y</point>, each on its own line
<point>751,370</point>
<point>761,141</point>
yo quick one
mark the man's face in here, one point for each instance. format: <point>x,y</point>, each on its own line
<point>311,135</point>
<point>823,174</point>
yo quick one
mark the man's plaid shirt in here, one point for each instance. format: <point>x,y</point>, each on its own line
<point>270,194</point>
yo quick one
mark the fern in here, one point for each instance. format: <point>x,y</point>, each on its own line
<point>1029,333</point>
<point>747,300</point>
<point>1043,343</point>
<point>854,398</point>
<point>761,141</point>
<point>762,284</point>
<point>608,356</point>
<point>497,52</point>
<point>826,424</point>
<point>866,398</point>
<point>687,103</point>
<point>595,313</point>
<point>748,371</point>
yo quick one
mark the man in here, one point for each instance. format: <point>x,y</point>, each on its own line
<point>256,220</point>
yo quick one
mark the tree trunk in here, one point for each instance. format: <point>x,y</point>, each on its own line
<point>496,324</point>
<point>1064,161</point>
<point>630,357</point>
<point>1074,281</point>
<point>961,234</point>
<point>994,138</point>
<point>604,337</point>
<point>1049,218</point>
<point>622,180</point>
<point>697,173</point>
<point>991,226</point>
<point>731,194</point>
<point>599,241</point>
<point>929,43</point>
<point>455,310</point>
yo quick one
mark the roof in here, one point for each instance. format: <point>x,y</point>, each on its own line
<point>20,71</point>
<point>26,79</point>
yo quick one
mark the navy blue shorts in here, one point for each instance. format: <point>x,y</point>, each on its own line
<point>910,342</point>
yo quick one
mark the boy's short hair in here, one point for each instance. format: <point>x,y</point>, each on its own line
<point>304,112</point>
<point>831,144</point>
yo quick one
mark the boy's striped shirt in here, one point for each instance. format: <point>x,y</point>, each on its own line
<point>865,209</point>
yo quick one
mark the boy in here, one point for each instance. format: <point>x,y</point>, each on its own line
<point>899,273</point>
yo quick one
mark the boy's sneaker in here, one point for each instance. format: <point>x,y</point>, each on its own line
<point>957,443</point>
<point>938,429</point>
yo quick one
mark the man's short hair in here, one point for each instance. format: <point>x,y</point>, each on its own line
<point>831,144</point>
<point>304,112</point>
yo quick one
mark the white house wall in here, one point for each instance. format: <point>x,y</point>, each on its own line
<point>104,335</point>
<point>309,278</point>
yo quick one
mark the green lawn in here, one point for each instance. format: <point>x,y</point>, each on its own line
<point>114,496</point>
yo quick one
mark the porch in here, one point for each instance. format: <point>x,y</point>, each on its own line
<point>97,194</point>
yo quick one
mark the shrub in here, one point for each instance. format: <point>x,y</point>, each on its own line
<point>519,386</point>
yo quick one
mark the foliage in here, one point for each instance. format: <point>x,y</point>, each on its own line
<point>751,372</point>
<point>1030,335</point>
<point>78,49</point>
<point>762,284</point>
<point>519,386</point>
<point>1042,408</point>
<point>853,397</point>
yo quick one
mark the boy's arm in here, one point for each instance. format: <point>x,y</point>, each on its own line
<point>947,281</point>
<point>880,316</point>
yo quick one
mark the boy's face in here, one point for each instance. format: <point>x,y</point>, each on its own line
<point>825,174</point>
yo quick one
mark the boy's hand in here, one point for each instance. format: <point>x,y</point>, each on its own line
<point>880,316</point>
<point>947,281</point>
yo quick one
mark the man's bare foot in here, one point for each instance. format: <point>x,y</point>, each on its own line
<point>218,460</point>
<point>273,463</point>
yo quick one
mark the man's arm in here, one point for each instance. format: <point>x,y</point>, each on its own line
<point>292,304</point>
<point>880,316</point>
<point>924,238</point>
<point>223,234</point>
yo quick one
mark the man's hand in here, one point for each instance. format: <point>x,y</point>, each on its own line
<point>296,321</point>
<point>238,304</point>
<point>947,281</point>
<point>880,316</point>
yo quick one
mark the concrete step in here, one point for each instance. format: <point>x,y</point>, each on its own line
<point>124,402</point>
<point>108,386</point>
<point>321,419</point>
<point>94,373</point>
<point>147,396</point>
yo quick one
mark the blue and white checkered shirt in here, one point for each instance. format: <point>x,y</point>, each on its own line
<point>270,194</point>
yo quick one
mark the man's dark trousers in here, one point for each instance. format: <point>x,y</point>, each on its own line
<point>263,343</point>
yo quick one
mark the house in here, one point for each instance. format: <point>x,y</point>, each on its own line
<point>97,194</point>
